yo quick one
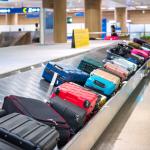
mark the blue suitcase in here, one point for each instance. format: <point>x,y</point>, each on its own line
<point>100,85</point>
<point>133,60</point>
<point>65,74</point>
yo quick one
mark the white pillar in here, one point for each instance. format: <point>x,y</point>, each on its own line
<point>42,26</point>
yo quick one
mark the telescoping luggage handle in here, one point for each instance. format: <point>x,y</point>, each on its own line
<point>51,86</point>
<point>58,67</point>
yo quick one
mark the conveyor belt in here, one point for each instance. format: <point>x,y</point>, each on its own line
<point>30,84</point>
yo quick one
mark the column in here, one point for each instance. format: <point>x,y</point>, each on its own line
<point>121,17</point>
<point>60,23</point>
<point>93,16</point>
<point>11,19</point>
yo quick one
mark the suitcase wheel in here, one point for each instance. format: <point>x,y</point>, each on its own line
<point>57,91</point>
<point>87,104</point>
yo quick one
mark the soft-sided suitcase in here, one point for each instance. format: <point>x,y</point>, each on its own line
<point>88,65</point>
<point>139,41</point>
<point>139,58</point>
<point>4,145</point>
<point>133,60</point>
<point>145,48</point>
<point>108,76</point>
<point>117,70</point>
<point>131,67</point>
<point>121,50</point>
<point>65,74</point>
<point>27,133</point>
<point>140,53</point>
<point>77,95</point>
<point>101,85</point>
<point>111,38</point>
<point>75,116</point>
<point>39,111</point>
<point>134,45</point>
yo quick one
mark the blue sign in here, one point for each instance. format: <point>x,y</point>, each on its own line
<point>24,10</point>
<point>33,15</point>
<point>104,27</point>
<point>79,14</point>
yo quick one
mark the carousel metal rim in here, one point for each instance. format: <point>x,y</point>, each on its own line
<point>104,117</point>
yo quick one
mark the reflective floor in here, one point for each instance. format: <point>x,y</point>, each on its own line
<point>130,129</point>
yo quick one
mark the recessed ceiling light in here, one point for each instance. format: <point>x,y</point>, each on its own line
<point>111,8</point>
<point>142,7</point>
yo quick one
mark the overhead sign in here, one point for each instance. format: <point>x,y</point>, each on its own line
<point>80,38</point>
<point>79,14</point>
<point>24,10</point>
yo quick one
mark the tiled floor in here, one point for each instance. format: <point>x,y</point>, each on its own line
<point>130,130</point>
<point>13,58</point>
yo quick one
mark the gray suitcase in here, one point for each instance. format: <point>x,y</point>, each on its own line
<point>27,133</point>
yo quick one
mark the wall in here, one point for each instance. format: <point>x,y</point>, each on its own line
<point>22,20</point>
<point>136,16</point>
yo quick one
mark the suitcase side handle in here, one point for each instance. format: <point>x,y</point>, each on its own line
<point>58,67</point>
<point>99,84</point>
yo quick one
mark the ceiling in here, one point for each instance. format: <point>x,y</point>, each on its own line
<point>72,4</point>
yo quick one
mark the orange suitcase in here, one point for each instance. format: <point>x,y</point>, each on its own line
<point>117,70</point>
<point>107,76</point>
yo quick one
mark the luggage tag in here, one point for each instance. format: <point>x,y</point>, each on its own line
<point>51,86</point>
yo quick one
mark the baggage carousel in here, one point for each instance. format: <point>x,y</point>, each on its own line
<point>28,83</point>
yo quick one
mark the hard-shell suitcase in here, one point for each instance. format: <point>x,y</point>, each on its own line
<point>134,45</point>
<point>101,85</point>
<point>140,53</point>
<point>108,76</point>
<point>77,95</point>
<point>117,70</point>
<point>88,65</point>
<point>111,38</point>
<point>139,41</point>
<point>75,116</point>
<point>146,45</point>
<point>4,145</point>
<point>39,111</point>
<point>136,59</point>
<point>65,74</point>
<point>27,133</point>
<point>131,67</point>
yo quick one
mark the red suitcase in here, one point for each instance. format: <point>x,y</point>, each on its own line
<point>77,95</point>
<point>117,70</point>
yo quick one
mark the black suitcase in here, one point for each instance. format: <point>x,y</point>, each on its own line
<point>139,41</point>
<point>75,116</point>
<point>39,111</point>
<point>27,133</point>
<point>4,145</point>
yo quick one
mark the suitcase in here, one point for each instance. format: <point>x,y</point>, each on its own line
<point>133,60</point>
<point>88,65</point>
<point>136,59</point>
<point>4,145</point>
<point>108,76</point>
<point>77,95</point>
<point>39,111</point>
<point>145,48</point>
<point>134,45</point>
<point>139,41</point>
<point>117,70</point>
<point>75,116</point>
<point>146,45</point>
<point>27,133</point>
<point>140,53</point>
<point>122,50</point>
<point>131,67</point>
<point>111,38</point>
<point>65,74</point>
<point>101,85</point>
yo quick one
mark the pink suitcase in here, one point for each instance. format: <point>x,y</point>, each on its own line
<point>142,53</point>
<point>111,38</point>
<point>117,70</point>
